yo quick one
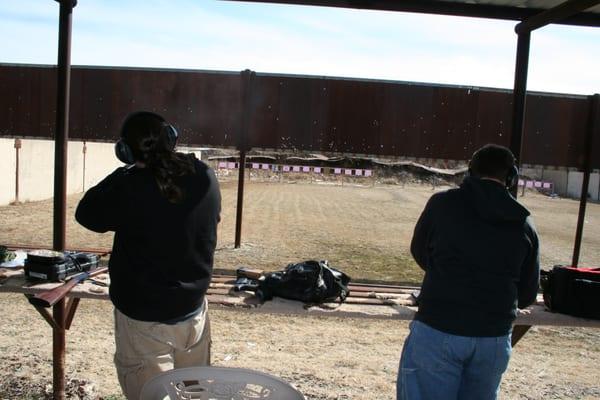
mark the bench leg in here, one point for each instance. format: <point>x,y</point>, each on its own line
<point>518,332</point>
<point>60,320</point>
<point>58,351</point>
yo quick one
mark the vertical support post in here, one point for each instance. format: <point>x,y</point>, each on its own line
<point>593,126</point>
<point>84,150</point>
<point>58,351</point>
<point>17,151</point>
<point>516,137</point>
<point>247,78</point>
<point>61,135</point>
<point>519,94</point>
<point>240,199</point>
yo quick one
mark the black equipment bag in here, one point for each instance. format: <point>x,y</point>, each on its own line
<point>573,291</point>
<point>308,281</point>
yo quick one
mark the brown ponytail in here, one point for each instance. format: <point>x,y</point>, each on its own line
<point>166,168</point>
<point>146,134</point>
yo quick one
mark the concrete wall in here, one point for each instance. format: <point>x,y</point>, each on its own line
<point>36,175</point>
<point>575,181</point>
<point>594,187</point>
<point>566,183</point>
<point>7,170</point>
<point>560,179</point>
<point>36,170</point>
<point>36,167</point>
<point>100,160</point>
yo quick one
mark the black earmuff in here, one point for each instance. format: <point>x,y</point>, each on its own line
<point>123,152</point>
<point>172,135</point>
<point>512,177</point>
<point>122,149</point>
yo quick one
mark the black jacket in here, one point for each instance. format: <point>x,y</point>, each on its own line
<point>480,253</point>
<point>162,257</point>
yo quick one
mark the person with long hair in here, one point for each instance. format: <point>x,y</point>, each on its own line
<point>164,207</point>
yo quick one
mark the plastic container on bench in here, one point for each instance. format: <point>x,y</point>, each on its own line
<point>573,291</point>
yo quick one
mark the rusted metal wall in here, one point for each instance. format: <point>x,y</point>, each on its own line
<point>412,120</point>
<point>329,115</point>
<point>555,129</point>
<point>204,106</point>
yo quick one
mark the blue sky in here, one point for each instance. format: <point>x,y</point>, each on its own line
<point>232,36</point>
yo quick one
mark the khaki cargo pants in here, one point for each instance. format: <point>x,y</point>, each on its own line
<point>145,349</point>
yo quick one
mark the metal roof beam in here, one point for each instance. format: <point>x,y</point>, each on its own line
<point>72,2</point>
<point>554,15</point>
<point>453,8</point>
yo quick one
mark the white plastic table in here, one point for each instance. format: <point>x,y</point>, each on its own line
<point>218,383</point>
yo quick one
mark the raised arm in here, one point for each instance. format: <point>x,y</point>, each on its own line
<point>100,207</point>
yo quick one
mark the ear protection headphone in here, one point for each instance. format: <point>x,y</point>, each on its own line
<point>123,150</point>
<point>512,177</point>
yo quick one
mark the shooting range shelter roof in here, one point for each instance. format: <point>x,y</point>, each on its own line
<point>517,10</point>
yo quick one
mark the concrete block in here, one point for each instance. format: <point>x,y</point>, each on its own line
<point>74,168</point>
<point>100,161</point>
<point>575,181</point>
<point>36,170</point>
<point>559,178</point>
<point>574,184</point>
<point>8,165</point>
<point>594,186</point>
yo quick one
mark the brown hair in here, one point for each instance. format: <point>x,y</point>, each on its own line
<point>147,135</point>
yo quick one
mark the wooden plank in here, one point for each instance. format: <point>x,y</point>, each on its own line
<point>377,297</point>
<point>100,252</point>
<point>365,288</point>
<point>362,298</point>
<point>384,305</point>
<point>379,289</point>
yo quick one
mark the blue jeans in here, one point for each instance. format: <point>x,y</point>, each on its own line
<point>437,366</point>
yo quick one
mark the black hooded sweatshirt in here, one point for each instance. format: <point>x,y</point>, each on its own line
<point>480,252</point>
<point>162,257</point>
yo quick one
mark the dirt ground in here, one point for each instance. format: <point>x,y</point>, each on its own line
<point>366,232</point>
<point>363,230</point>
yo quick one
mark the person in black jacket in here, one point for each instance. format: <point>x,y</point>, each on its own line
<point>480,253</point>
<point>164,208</point>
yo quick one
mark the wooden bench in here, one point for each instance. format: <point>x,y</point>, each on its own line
<point>364,301</point>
